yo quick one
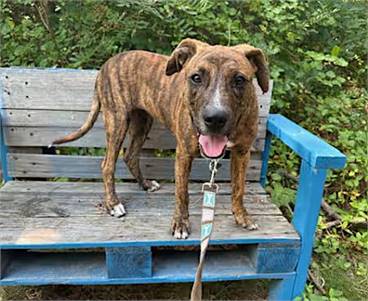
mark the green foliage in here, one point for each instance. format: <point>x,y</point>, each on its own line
<point>316,50</point>
<point>333,295</point>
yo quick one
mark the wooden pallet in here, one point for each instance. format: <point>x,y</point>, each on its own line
<point>47,226</point>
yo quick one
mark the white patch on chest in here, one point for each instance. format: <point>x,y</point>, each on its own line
<point>230,144</point>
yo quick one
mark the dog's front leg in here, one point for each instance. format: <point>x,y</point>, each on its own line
<point>180,223</point>
<point>239,162</point>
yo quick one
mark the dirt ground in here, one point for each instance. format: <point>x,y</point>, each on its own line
<point>231,290</point>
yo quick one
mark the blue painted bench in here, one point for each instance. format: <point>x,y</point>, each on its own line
<point>53,231</point>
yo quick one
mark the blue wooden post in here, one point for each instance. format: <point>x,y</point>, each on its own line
<point>281,290</point>
<point>318,156</point>
<point>3,147</point>
<point>305,218</point>
<point>3,156</point>
<point>265,155</point>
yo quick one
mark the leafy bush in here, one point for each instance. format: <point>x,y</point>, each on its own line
<point>316,51</point>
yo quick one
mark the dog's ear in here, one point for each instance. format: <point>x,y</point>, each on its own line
<point>258,60</point>
<point>182,54</point>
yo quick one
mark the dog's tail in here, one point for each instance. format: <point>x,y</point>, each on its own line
<point>88,124</point>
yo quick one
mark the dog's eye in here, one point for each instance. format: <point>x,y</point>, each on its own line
<point>239,81</point>
<point>196,78</point>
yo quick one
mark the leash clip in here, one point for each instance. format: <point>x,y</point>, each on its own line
<point>211,185</point>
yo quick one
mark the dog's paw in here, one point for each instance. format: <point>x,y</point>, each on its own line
<point>151,186</point>
<point>180,228</point>
<point>118,210</point>
<point>243,219</point>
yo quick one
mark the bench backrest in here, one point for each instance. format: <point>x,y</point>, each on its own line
<point>39,105</point>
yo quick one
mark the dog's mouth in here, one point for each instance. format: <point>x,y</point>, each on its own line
<point>213,146</point>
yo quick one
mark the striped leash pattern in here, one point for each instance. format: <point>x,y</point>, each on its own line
<point>209,190</point>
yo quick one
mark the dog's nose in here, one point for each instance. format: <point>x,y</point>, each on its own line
<point>215,120</point>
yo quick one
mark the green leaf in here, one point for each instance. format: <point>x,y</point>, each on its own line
<point>335,51</point>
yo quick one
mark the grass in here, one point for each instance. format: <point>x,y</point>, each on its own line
<point>347,276</point>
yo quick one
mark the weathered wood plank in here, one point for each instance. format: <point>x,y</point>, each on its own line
<point>87,188</point>
<point>34,165</point>
<point>134,230</point>
<point>43,136</point>
<point>68,205</point>
<point>58,89</point>
<point>64,89</point>
<point>75,228</point>
<point>67,119</point>
<point>30,127</point>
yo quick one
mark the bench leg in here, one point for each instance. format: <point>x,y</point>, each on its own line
<point>305,218</point>
<point>282,290</point>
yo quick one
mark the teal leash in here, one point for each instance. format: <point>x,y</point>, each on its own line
<point>209,190</point>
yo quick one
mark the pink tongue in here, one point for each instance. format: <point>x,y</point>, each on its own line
<point>212,146</point>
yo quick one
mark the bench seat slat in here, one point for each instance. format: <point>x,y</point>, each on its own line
<point>59,220</point>
<point>47,166</point>
<point>134,230</point>
<point>67,205</point>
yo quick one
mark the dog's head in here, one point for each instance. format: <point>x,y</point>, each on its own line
<point>219,87</point>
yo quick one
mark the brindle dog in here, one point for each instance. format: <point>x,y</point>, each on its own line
<point>202,93</point>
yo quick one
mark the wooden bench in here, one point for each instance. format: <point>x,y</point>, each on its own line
<point>53,231</point>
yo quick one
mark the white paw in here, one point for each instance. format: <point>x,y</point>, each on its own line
<point>155,186</point>
<point>181,234</point>
<point>252,227</point>
<point>118,210</point>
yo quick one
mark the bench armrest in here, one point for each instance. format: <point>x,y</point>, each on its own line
<point>317,156</point>
<point>312,149</point>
